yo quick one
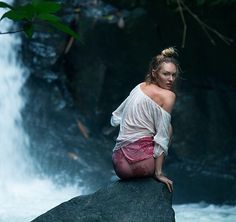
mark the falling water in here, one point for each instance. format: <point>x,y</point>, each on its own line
<point>13,140</point>
<point>23,195</point>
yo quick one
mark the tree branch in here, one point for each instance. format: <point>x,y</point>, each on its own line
<point>11,32</point>
<point>184,23</point>
<point>206,28</point>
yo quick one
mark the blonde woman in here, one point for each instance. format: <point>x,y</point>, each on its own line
<point>144,118</point>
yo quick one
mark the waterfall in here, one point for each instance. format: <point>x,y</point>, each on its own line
<point>23,195</point>
<point>13,140</point>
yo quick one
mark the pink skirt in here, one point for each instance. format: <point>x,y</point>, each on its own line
<point>139,150</point>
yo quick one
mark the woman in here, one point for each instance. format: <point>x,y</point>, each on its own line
<point>144,119</point>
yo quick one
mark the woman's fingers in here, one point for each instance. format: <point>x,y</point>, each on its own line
<point>166,181</point>
<point>169,184</point>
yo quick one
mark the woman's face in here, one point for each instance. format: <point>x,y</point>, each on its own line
<point>166,75</point>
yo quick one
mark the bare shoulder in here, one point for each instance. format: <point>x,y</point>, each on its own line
<point>164,95</point>
<point>164,98</point>
<point>169,95</point>
<point>168,99</point>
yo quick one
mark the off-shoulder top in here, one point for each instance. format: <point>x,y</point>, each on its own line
<point>140,116</point>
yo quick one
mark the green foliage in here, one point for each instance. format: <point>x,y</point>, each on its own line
<point>4,5</point>
<point>28,29</point>
<point>42,6</point>
<point>34,12</point>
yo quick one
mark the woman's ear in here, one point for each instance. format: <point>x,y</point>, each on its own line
<point>153,73</point>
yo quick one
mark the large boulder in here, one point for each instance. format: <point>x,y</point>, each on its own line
<point>126,201</point>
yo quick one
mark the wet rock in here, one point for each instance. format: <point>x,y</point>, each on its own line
<point>132,200</point>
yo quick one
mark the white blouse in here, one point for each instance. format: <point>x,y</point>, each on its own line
<point>140,116</point>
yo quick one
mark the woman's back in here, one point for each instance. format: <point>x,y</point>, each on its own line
<point>139,116</point>
<point>160,96</point>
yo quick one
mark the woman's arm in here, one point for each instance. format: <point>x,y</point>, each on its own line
<point>159,161</point>
<point>117,114</point>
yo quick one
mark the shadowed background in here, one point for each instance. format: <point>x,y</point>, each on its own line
<point>73,88</point>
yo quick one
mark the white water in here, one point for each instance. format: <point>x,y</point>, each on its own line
<point>23,195</point>
<point>203,212</point>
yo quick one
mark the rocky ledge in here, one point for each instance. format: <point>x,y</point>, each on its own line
<point>122,201</point>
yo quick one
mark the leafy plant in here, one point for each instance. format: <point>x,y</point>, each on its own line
<point>35,12</point>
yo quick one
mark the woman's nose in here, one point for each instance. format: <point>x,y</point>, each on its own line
<point>171,78</point>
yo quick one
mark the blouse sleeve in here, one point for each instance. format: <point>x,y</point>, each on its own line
<point>117,114</point>
<point>162,136</point>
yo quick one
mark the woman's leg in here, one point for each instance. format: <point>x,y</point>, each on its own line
<point>125,170</point>
<point>143,168</point>
<point>121,165</point>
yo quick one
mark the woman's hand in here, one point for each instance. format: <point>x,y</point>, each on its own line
<point>164,180</point>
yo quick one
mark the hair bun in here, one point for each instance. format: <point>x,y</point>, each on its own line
<point>169,52</point>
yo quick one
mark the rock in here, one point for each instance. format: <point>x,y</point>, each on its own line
<point>123,201</point>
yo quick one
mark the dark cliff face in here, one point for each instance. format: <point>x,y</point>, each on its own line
<point>77,86</point>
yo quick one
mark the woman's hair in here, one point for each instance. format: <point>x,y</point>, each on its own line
<point>168,56</point>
